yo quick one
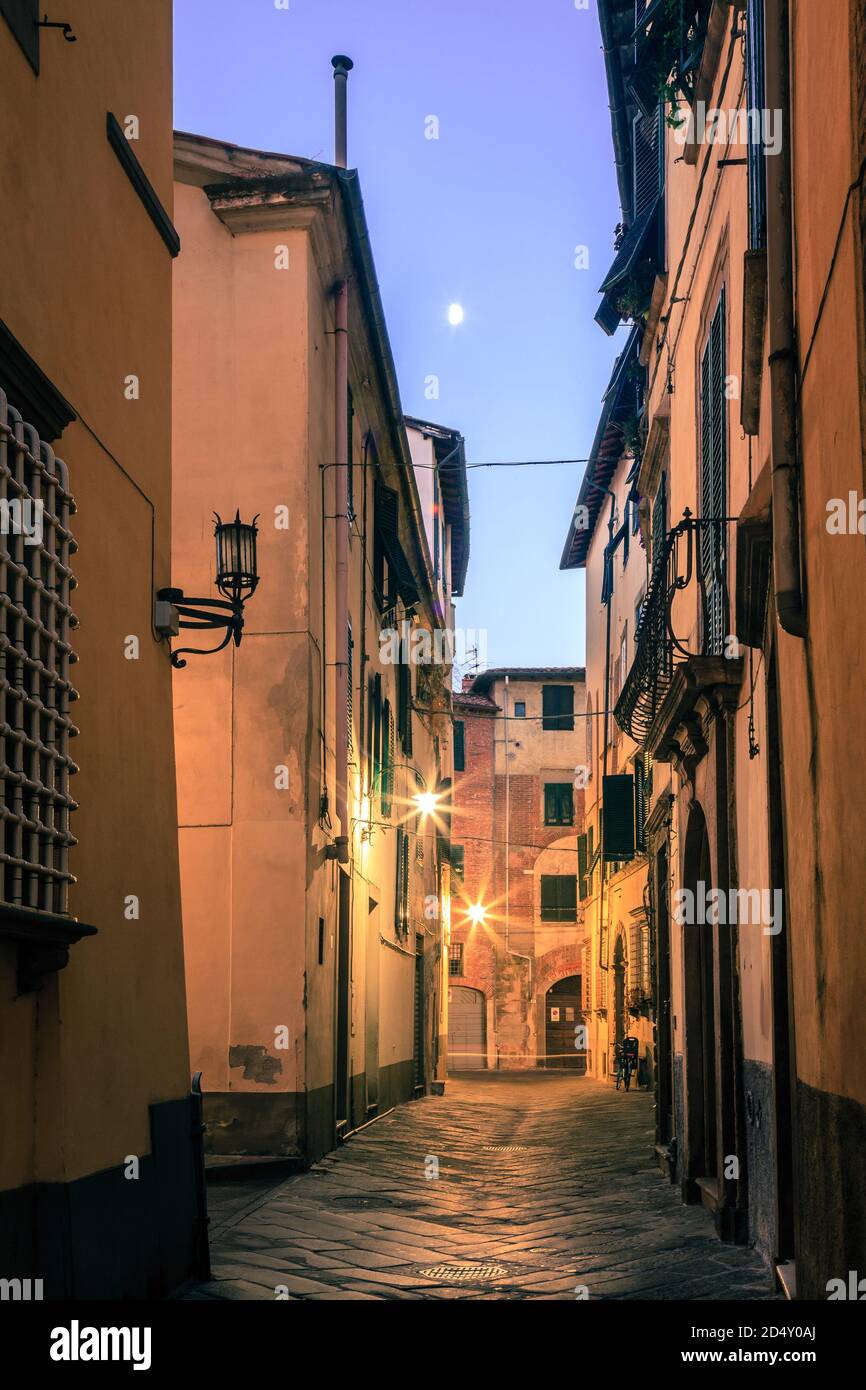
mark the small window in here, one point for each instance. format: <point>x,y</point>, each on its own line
<point>519,709</point>
<point>557,707</point>
<point>558,803</point>
<point>459,746</point>
<point>455,958</point>
<point>558,898</point>
<point>457,859</point>
<point>321,941</point>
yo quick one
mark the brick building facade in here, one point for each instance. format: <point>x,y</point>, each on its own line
<point>516,951</point>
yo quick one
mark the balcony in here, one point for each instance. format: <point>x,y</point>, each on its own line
<point>668,678</point>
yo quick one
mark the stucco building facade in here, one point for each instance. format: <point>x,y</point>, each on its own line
<point>747,295</point>
<point>315,884</point>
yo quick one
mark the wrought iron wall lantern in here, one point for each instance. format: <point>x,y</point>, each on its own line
<point>237,580</point>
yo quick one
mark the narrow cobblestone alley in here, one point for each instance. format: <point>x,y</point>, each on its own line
<point>545,1186</point>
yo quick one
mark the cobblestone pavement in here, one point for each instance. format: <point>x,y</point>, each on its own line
<point>545,1183</point>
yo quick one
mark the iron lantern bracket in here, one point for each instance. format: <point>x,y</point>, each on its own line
<point>204,615</point>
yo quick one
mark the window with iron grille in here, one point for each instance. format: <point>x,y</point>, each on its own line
<point>713,482</point>
<point>36,622</point>
<point>558,897</point>
<point>455,958</point>
<point>557,707</point>
<point>558,803</point>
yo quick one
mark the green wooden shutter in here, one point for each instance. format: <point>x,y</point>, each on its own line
<point>557,707</point>
<point>618,817</point>
<point>713,490</point>
<point>387,759</point>
<point>582,861</point>
<point>459,746</point>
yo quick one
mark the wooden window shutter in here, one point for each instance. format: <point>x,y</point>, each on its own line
<point>387,775</point>
<point>557,707</point>
<point>757,168</point>
<point>459,746</point>
<point>713,490</point>
<point>582,860</point>
<point>350,711</point>
<point>618,817</point>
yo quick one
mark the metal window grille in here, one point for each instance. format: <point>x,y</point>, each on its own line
<point>455,958</point>
<point>36,622</point>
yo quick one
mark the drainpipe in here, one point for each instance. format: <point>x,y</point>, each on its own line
<point>787,571</point>
<point>342,67</point>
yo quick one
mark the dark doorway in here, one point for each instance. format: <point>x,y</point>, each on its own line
<point>783,1078</point>
<point>371,1000</point>
<point>700,1014</point>
<point>467,1029</point>
<point>620,1022</point>
<point>419,1013</point>
<point>341,1070</point>
<point>664,1034</point>
<point>562,1014</point>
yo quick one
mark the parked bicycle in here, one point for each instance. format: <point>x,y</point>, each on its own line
<point>626,1062</point>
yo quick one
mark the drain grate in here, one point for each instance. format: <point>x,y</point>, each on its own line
<point>464,1274</point>
<point>505,1148</point>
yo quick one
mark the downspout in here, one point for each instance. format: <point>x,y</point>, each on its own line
<point>342,67</point>
<point>787,569</point>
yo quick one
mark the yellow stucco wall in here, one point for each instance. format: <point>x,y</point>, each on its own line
<point>90,301</point>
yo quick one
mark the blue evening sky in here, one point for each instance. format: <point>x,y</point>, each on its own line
<point>488,215</point>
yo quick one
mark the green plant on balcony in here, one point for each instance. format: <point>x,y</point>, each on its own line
<point>669,44</point>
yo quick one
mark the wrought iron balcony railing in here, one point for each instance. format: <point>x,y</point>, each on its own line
<point>695,548</point>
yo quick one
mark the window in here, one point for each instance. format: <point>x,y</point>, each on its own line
<point>558,898</point>
<point>22,17</point>
<point>37,624</point>
<point>713,489</point>
<point>624,662</point>
<point>350,474</point>
<point>660,517</point>
<point>590,735</point>
<point>350,740</point>
<point>558,803</point>
<point>457,857</point>
<point>557,707</point>
<point>618,817</point>
<point>455,958</point>
<point>757,168</point>
<point>459,746</point>
<point>387,776</point>
<point>402,896</point>
<point>404,704</point>
<point>321,941</point>
<point>583,881</point>
<point>519,709</point>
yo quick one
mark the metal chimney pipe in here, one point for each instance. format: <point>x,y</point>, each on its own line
<point>342,67</point>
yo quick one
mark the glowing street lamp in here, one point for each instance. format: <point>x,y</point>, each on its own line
<point>426,802</point>
<point>477,914</point>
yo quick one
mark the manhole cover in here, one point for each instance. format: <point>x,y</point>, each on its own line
<point>505,1148</point>
<point>464,1274</point>
<point>363,1203</point>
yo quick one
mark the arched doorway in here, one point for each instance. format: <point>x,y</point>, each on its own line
<point>700,1020</point>
<point>562,1017</point>
<point>467,1029</point>
<point>620,969</point>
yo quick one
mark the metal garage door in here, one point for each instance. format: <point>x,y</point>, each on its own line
<point>467,1029</point>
